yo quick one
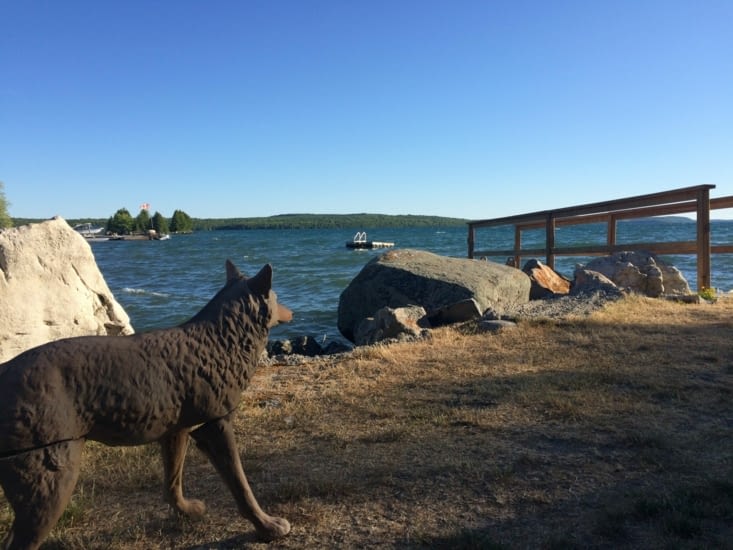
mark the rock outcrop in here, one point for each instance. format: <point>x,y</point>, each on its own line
<point>51,288</point>
<point>587,282</point>
<point>641,272</point>
<point>407,277</point>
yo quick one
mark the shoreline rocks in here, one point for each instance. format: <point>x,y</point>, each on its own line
<point>552,295</point>
<point>51,287</point>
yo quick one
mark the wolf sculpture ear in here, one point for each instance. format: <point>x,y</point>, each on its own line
<point>262,282</point>
<point>232,271</point>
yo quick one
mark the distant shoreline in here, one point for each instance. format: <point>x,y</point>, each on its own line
<point>332,221</point>
<point>295,221</point>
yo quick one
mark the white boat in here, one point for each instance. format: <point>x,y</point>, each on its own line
<point>87,230</point>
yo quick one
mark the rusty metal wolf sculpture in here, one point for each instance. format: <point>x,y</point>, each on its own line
<point>162,385</point>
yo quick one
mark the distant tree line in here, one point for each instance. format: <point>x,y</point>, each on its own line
<point>123,223</point>
<point>328,221</point>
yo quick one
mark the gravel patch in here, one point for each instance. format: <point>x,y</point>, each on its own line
<point>561,306</point>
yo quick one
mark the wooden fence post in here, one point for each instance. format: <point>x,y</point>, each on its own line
<point>703,239</point>
<point>471,240</point>
<point>550,240</point>
<point>611,231</point>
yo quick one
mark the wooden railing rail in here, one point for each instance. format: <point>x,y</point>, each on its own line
<point>678,201</point>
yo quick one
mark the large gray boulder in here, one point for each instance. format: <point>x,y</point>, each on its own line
<point>51,288</point>
<point>406,277</point>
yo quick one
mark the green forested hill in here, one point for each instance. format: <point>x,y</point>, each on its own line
<point>328,221</point>
<point>298,221</point>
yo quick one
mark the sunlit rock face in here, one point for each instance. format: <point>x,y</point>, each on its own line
<point>51,288</point>
<point>546,282</point>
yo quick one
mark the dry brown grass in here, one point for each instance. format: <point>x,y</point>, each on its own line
<point>610,431</point>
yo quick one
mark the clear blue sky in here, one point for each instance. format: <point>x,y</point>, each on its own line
<point>471,109</point>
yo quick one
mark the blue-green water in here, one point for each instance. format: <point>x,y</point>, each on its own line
<point>163,283</point>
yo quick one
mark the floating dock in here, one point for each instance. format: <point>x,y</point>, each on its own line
<point>369,244</point>
<point>360,241</point>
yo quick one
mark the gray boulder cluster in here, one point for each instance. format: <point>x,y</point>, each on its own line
<point>640,272</point>
<point>403,293</point>
<point>51,288</point>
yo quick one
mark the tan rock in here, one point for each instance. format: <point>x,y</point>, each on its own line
<point>51,288</point>
<point>546,282</point>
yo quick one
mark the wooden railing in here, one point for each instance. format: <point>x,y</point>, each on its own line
<point>678,201</point>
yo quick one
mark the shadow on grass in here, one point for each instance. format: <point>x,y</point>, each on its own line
<point>635,476</point>
<point>557,472</point>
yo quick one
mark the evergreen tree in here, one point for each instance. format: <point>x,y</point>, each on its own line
<point>121,223</point>
<point>142,222</point>
<point>160,224</point>
<point>181,222</point>
<point>5,220</point>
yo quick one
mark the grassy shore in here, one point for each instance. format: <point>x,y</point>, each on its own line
<point>608,431</point>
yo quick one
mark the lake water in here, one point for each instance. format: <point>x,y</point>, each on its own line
<point>163,283</point>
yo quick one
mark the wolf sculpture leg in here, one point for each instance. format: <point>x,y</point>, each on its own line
<point>38,484</point>
<point>216,440</point>
<point>173,448</point>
